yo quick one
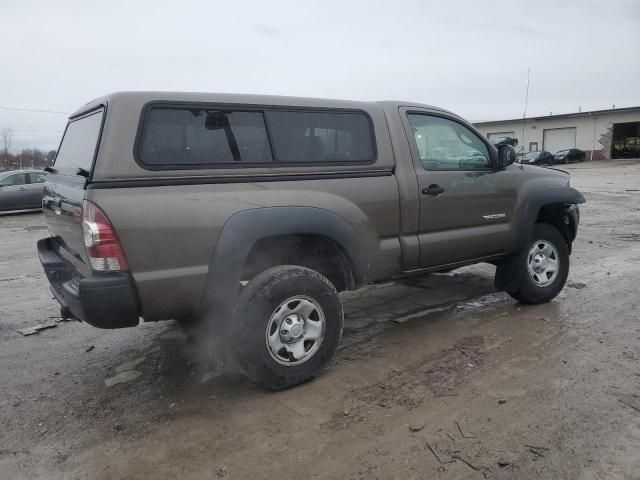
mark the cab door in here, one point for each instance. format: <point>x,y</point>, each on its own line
<point>467,207</point>
<point>14,192</point>
<point>36,188</point>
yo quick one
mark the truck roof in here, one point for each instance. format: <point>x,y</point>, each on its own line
<point>244,99</point>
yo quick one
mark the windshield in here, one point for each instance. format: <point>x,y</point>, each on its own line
<point>531,155</point>
<point>562,152</point>
<point>79,143</point>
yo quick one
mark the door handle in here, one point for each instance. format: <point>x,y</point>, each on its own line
<point>433,190</point>
<point>22,189</point>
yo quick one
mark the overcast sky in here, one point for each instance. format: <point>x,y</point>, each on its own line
<point>468,56</point>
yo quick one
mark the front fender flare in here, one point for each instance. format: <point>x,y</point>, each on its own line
<point>534,202</point>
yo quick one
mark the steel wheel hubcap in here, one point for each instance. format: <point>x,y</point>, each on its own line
<point>295,330</point>
<point>543,263</point>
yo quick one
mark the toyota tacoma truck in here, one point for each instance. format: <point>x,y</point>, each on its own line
<point>252,213</point>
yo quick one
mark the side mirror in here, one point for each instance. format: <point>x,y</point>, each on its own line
<point>506,155</point>
<point>506,152</point>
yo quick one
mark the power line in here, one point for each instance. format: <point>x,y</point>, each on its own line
<point>55,135</point>
<point>34,110</point>
<point>37,131</point>
<point>46,104</point>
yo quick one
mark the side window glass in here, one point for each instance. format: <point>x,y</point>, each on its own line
<point>38,177</point>
<point>447,145</point>
<point>307,136</point>
<point>201,137</point>
<point>11,180</point>
<point>177,136</point>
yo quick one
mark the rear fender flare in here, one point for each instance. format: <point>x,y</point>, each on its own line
<point>243,229</point>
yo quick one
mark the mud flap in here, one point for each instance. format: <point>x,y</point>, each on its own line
<point>508,273</point>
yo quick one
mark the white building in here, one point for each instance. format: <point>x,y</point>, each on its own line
<point>603,134</point>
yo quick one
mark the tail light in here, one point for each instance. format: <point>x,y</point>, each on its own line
<point>103,247</point>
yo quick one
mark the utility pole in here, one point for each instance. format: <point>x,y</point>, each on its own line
<point>526,103</point>
<point>593,141</point>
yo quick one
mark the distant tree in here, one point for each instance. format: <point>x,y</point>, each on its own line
<point>25,158</point>
<point>6,140</point>
<point>50,157</point>
<point>6,137</point>
<point>32,158</point>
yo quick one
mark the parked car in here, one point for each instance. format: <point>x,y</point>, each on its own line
<point>21,189</point>
<point>536,158</point>
<point>250,213</point>
<point>626,152</point>
<point>570,155</point>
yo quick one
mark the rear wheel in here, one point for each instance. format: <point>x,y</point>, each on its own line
<point>289,323</point>
<point>539,272</point>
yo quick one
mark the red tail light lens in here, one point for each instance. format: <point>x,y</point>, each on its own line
<point>103,247</point>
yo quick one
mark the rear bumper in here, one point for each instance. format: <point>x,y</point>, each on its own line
<point>104,301</point>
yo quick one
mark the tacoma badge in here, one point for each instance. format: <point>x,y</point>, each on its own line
<point>493,216</point>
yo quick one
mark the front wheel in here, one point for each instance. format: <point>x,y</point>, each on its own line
<point>288,325</point>
<point>539,272</point>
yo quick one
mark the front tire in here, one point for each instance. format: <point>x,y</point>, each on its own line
<point>539,272</point>
<point>289,324</point>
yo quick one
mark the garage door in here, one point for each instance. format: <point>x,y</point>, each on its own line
<point>556,139</point>
<point>497,136</point>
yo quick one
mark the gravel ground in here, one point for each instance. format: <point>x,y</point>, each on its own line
<point>437,377</point>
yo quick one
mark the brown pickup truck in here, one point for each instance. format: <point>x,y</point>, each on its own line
<point>251,213</point>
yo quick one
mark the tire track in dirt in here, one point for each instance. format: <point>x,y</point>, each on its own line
<point>407,389</point>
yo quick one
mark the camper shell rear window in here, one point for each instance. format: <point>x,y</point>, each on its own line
<point>79,143</point>
<point>203,136</point>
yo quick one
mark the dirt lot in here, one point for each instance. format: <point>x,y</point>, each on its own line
<point>438,377</point>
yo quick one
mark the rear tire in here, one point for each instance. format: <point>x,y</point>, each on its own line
<point>538,273</point>
<point>288,326</point>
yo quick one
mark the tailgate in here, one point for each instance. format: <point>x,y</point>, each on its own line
<point>64,190</point>
<point>62,209</point>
